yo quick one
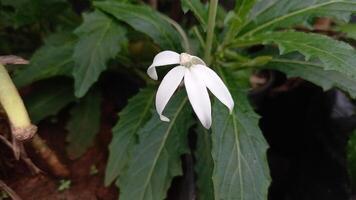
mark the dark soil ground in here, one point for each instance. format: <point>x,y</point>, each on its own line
<point>84,183</point>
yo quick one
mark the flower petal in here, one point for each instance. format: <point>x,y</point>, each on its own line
<point>197,61</point>
<point>166,89</point>
<point>162,58</point>
<point>198,96</point>
<point>216,86</point>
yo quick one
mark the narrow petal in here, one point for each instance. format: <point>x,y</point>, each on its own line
<point>197,61</point>
<point>163,58</point>
<point>167,87</point>
<point>216,86</point>
<point>198,97</point>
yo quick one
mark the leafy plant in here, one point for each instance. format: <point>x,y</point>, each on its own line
<point>145,153</point>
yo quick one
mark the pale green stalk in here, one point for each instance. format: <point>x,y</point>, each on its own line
<point>181,32</point>
<point>14,107</point>
<point>213,7</point>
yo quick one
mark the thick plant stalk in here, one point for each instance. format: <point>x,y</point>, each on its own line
<point>21,126</point>
<point>51,158</point>
<point>20,123</point>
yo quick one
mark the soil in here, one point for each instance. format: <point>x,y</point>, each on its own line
<point>84,184</point>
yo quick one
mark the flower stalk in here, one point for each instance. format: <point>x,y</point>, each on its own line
<point>210,30</point>
<point>21,126</point>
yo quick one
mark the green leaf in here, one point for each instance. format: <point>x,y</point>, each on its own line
<point>142,18</point>
<point>52,59</point>
<point>204,165</point>
<point>243,7</point>
<point>239,151</point>
<point>314,72</point>
<point>100,39</point>
<point>25,12</point>
<point>271,14</point>
<point>83,124</point>
<point>351,158</point>
<point>156,159</point>
<point>48,99</point>
<point>236,19</point>
<point>131,119</point>
<point>197,7</point>
<point>334,55</point>
<point>349,29</point>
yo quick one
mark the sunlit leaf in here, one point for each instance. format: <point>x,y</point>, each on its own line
<point>146,20</point>
<point>156,159</point>
<point>334,55</point>
<point>131,119</point>
<point>84,124</point>
<point>239,151</point>
<point>99,40</point>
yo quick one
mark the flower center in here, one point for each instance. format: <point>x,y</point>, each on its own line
<point>186,59</point>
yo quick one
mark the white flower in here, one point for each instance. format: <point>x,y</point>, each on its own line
<point>197,78</point>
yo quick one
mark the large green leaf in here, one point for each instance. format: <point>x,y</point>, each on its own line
<point>238,150</point>
<point>313,72</point>
<point>146,20</point>
<point>156,159</point>
<point>197,7</point>
<point>48,99</point>
<point>204,165</point>
<point>100,39</point>
<point>131,119</point>
<point>271,14</point>
<point>83,124</point>
<point>52,59</point>
<point>334,55</point>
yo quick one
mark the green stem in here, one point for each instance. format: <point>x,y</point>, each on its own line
<point>180,31</point>
<point>14,107</point>
<point>199,36</point>
<point>210,31</point>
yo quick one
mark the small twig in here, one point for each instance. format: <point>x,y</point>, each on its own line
<point>22,155</point>
<point>7,142</point>
<point>9,191</point>
<point>16,148</point>
<point>12,59</point>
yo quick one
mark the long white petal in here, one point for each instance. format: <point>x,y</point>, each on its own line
<point>216,86</point>
<point>166,89</point>
<point>162,58</point>
<point>198,97</point>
